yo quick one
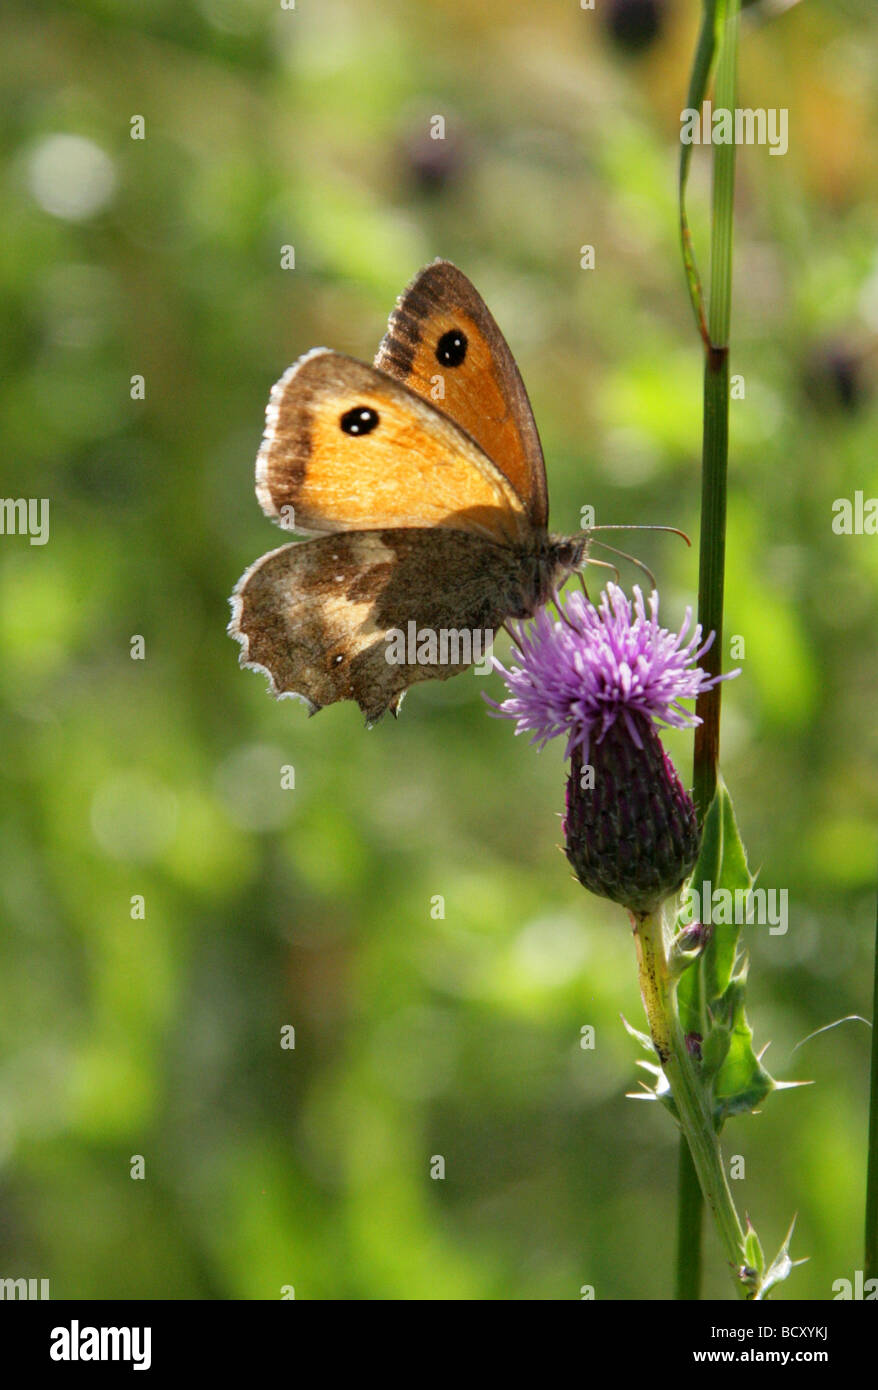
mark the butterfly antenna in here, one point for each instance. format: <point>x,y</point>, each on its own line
<point>633,559</point>
<point>633,526</point>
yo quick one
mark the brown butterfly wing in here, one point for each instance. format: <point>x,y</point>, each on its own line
<point>443,343</point>
<point>315,615</point>
<point>347,447</point>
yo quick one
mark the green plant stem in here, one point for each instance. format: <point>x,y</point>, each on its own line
<point>720,34</point>
<point>870,1266</point>
<point>689,1096</point>
<point>715,436</point>
<point>690,1210</point>
<point>711,568</point>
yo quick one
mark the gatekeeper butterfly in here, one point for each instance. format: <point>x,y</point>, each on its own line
<point>427,513</point>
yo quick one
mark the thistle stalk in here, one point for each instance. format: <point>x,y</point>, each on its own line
<point>690,1099</point>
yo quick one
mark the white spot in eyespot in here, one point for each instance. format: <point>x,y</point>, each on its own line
<point>339,578</point>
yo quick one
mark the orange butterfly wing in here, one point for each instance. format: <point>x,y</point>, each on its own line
<point>348,448</point>
<point>441,331</point>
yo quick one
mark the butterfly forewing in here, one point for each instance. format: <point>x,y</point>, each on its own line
<point>348,448</point>
<point>443,343</point>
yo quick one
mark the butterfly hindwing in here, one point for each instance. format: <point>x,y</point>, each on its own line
<point>443,343</point>
<point>320,616</point>
<point>347,448</point>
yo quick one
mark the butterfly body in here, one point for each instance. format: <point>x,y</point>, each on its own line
<point>423,479</point>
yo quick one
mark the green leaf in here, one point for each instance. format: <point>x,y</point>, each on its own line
<point>715,1050</point>
<point>780,1266</point>
<point>711,993</point>
<point>733,876</point>
<point>734,855</point>
<point>742,1082</point>
<point>753,1255</point>
<point>722,864</point>
<point>701,70</point>
<point>645,1042</point>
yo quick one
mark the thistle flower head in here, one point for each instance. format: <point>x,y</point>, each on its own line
<point>608,677</point>
<point>581,673</point>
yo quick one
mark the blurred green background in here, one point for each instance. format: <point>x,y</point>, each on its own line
<point>415,1036</point>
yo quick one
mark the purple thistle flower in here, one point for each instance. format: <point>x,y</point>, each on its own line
<point>608,677</point>
<point>578,674</point>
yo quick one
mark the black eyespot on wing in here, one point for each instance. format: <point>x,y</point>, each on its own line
<point>451,348</point>
<point>360,419</point>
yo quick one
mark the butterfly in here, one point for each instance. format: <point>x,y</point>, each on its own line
<point>423,478</point>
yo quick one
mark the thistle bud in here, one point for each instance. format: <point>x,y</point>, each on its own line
<point>631,833</point>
